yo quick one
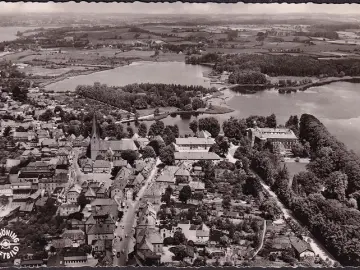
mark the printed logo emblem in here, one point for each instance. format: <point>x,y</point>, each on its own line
<point>9,244</point>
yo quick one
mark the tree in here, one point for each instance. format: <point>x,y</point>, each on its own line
<point>197,103</point>
<point>46,116</point>
<point>19,94</point>
<point>223,144</point>
<point>166,155</point>
<point>148,152</point>
<point>298,150</point>
<point>82,201</point>
<point>185,194</point>
<point>270,209</point>
<point>142,131</point>
<point>306,183</point>
<point>129,155</point>
<point>336,185</point>
<point>7,131</point>
<point>224,241</point>
<point>271,121</point>
<point>179,238</point>
<point>237,237</point>
<point>156,112</point>
<point>194,126</point>
<point>226,202</point>
<point>168,135</point>
<point>210,124</point>
<point>130,132</point>
<point>180,253</point>
<point>157,144</point>
<point>157,128</point>
<point>234,128</point>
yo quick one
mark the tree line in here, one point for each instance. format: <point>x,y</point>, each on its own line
<point>279,65</point>
<point>142,96</point>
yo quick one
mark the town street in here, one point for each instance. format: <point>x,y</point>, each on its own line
<point>128,220</point>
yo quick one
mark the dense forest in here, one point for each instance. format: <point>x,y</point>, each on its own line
<point>142,96</point>
<point>279,65</point>
<point>325,198</point>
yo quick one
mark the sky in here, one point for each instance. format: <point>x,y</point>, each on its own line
<point>178,8</point>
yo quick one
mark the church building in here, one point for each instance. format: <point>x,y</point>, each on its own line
<point>108,148</point>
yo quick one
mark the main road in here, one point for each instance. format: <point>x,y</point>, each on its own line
<point>126,226</point>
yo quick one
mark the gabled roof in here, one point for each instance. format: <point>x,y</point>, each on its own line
<point>196,185</point>
<point>102,201</point>
<point>195,141</point>
<point>101,164</point>
<point>196,156</point>
<point>90,193</point>
<point>182,171</point>
<point>76,188</point>
<point>299,245</point>
<point>101,229</point>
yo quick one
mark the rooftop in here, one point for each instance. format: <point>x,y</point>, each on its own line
<point>274,133</point>
<point>195,141</point>
<point>196,156</point>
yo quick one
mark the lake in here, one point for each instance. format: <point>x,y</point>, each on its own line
<point>139,72</point>
<point>9,33</point>
<point>336,104</point>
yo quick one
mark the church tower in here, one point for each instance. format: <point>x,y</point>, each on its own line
<point>95,139</point>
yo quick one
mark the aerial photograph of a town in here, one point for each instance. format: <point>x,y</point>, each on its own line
<point>179,134</point>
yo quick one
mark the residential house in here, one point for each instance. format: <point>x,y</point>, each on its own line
<point>74,257</point>
<point>120,163</point>
<point>198,234</point>
<point>75,235</point>
<point>302,249</point>
<point>167,177</point>
<point>87,166</point>
<point>182,175</point>
<point>120,181</point>
<point>194,143</point>
<point>50,143</point>
<point>149,245</point>
<point>197,187</point>
<point>101,166</point>
<point>153,195</point>
<point>100,232</point>
<point>67,209</point>
<point>90,194</point>
<point>74,193</point>
<point>22,136</point>
<point>42,134</point>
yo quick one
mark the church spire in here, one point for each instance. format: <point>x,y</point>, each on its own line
<point>94,127</point>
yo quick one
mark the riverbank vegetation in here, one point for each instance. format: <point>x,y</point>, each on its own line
<point>325,198</point>
<point>143,96</point>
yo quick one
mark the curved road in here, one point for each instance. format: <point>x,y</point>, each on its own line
<point>126,225</point>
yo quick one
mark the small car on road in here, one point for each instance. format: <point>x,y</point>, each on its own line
<point>118,255</point>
